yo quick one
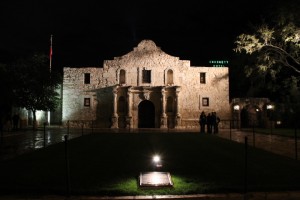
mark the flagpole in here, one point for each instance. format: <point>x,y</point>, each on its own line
<point>50,65</point>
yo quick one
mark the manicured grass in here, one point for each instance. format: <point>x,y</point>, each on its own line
<point>109,164</point>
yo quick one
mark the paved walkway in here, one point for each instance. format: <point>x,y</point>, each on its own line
<point>19,142</point>
<point>285,146</point>
<point>231,196</point>
<point>15,143</point>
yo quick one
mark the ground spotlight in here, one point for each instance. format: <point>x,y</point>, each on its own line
<point>157,161</point>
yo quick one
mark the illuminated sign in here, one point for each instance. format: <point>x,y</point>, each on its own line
<point>218,63</point>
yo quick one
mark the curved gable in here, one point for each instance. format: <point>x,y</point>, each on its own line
<point>146,54</point>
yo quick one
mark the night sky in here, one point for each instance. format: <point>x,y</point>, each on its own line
<point>87,32</point>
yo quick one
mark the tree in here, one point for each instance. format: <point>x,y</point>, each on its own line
<point>5,88</point>
<point>275,49</point>
<point>34,86</point>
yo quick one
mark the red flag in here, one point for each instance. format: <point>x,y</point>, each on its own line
<point>50,56</point>
<point>50,52</point>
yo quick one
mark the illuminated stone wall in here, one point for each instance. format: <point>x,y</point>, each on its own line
<point>182,86</point>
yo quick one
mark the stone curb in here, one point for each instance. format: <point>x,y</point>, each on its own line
<point>289,195</point>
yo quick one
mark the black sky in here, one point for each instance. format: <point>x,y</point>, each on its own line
<point>87,32</point>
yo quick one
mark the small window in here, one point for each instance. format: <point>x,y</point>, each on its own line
<point>205,101</point>
<point>146,76</point>
<point>87,78</point>
<point>202,78</point>
<point>122,79</point>
<point>87,102</point>
<point>170,77</point>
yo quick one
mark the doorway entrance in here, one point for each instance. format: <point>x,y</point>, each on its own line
<point>146,114</point>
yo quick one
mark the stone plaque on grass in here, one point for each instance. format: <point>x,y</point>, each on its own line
<point>155,179</point>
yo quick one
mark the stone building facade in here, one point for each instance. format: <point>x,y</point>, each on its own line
<point>251,112</point>
<point>145,88</point>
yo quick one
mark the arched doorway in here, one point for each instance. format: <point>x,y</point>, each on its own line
<point>146,114</point>
<point>251,116</point>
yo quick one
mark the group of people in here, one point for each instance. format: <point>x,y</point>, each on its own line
<point>210,121</point>
<point>10,123</point>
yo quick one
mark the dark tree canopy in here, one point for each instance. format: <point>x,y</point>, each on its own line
<point>273,49</point>
<point>6,90</point>
<point>33,84</point>
<point>271,52</point>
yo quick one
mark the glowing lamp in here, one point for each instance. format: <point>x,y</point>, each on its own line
<point>236,107</point>
<point>157,161</point>
<point>270,106</point>
<point>156,158</point>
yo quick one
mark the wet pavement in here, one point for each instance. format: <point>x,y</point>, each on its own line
<point>285,146</point>
<point>15,143</point>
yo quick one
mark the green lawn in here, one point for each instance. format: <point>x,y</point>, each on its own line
<point>109,164</point>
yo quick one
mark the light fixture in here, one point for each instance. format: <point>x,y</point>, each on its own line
<point>156,158</point>
<point>236,107</point>
<point>157,161</point>
<point>270,106</point>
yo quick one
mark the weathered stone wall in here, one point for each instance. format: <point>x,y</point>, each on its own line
<point>216,89</point>
<point>74,92</point>
<point>146,56</point>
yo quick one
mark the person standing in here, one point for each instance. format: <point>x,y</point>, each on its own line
<point>215,123</point>
<point>209,123</point>
<point>15,121</point>
<point>202,121</point>
<point>8,123</point>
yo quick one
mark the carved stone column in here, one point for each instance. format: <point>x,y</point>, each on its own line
<point>163,118</point>
<point>129,106</point>
<point>114,118</point>
<point>178,115</point>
